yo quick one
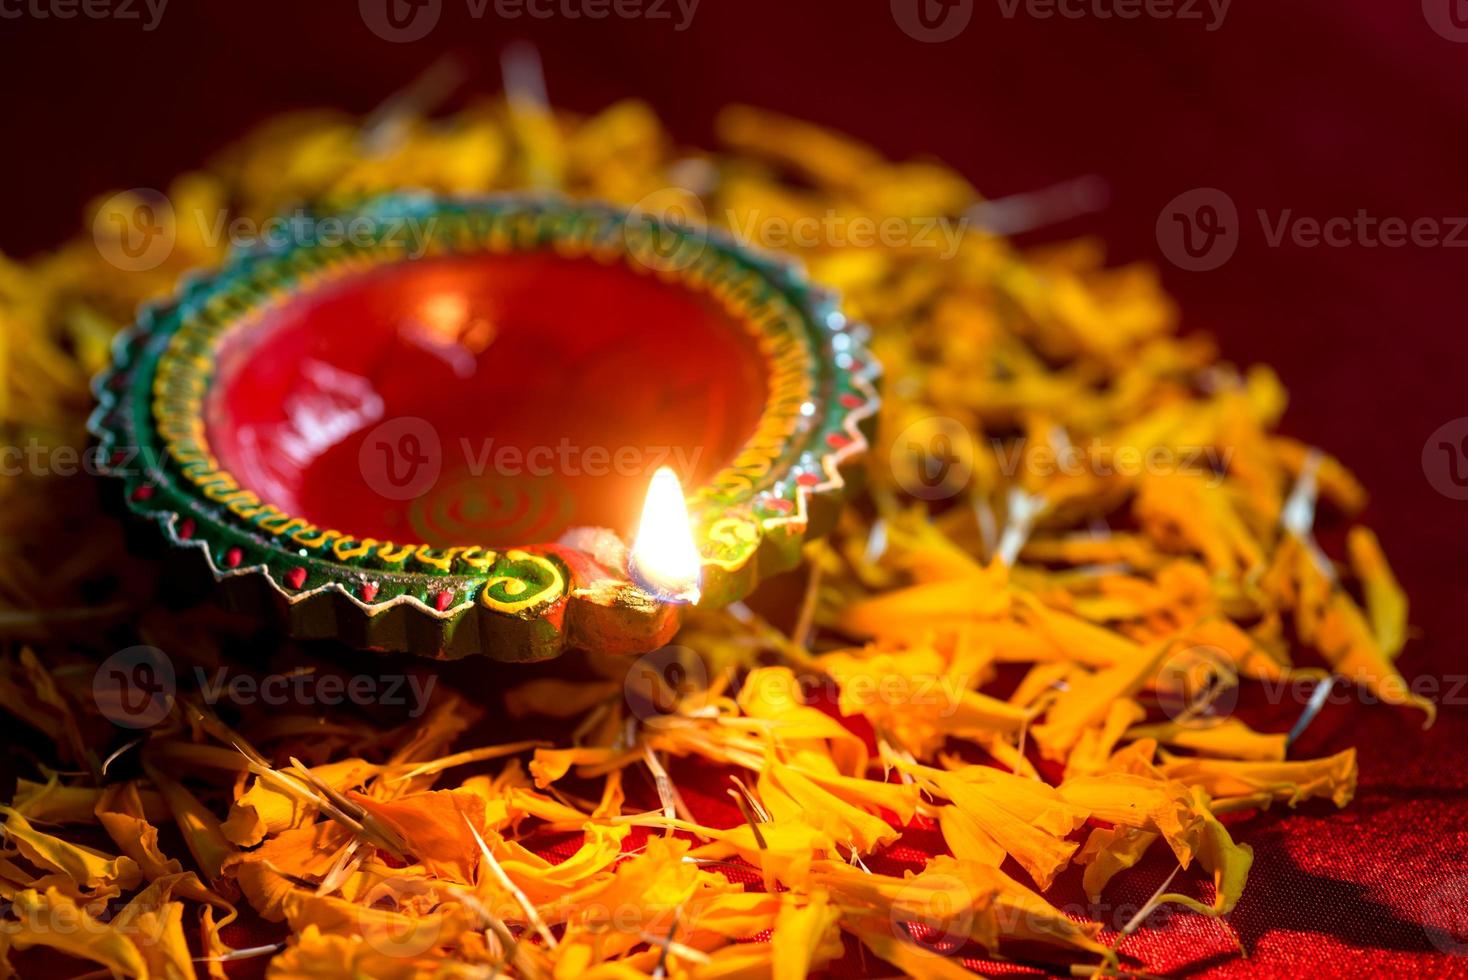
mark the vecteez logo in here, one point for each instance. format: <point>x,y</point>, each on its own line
<point>1198,686</point>
<point>400,21</point>
<point>135,230</point>
<point>1449,18</point>
<point>404,21</point>
<point>1445,916</point>
<point>148,13</point>
<point>401,459</point>
<point>135,688</point>
<point>1199,229</point>
<point>658,682</point>
<point>932,21</point>
<point>666,230</point>
<point>1445,459</point>
<point>933,458</point>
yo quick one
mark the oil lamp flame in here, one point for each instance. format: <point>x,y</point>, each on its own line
<point>665,561</point>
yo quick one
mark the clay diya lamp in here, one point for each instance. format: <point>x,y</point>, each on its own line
<point>455,426</point>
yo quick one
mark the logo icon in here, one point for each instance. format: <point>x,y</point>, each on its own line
<point>932,21</point>
<point>1199,229</point>
<point>393,934</point>
<point>401,459</point>
<point>135,688</point>
<point>1449,18</point>
<point>1445,459</point>
<point>134,230</point>
<point>1445,917</point>
<point>658,682</point>
<point>400,21</point>
<point>667,230</point>
<point>933,458</point>
<point>935,913</point>
<point>1198,686</point>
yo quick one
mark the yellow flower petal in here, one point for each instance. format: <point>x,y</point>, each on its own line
<point>87,867</point>
<point>1386,603</point>
<point>1333,778</point>
<point>1108,851</point>
<point>805,936</point>
<point>1227,738</point>
<point>35,915</point>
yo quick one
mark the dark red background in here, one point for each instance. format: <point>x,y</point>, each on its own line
<point>1324,107</point>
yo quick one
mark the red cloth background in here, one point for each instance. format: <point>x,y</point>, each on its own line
<point>1322,107</point>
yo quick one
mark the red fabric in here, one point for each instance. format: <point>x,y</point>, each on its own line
<point>1323,107</point>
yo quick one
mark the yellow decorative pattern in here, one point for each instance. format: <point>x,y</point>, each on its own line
<point>510,590</point>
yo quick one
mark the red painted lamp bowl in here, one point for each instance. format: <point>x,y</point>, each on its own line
<point>430,425</point>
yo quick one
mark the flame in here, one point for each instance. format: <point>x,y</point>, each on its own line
<point>665,560</point>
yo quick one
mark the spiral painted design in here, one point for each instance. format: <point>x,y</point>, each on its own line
<point>522,582</point>
<point>491,511</point>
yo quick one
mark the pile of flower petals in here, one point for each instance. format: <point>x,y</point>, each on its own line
<point>1033,661</point>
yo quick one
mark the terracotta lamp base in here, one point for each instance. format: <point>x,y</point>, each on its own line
<point>437,434</point>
